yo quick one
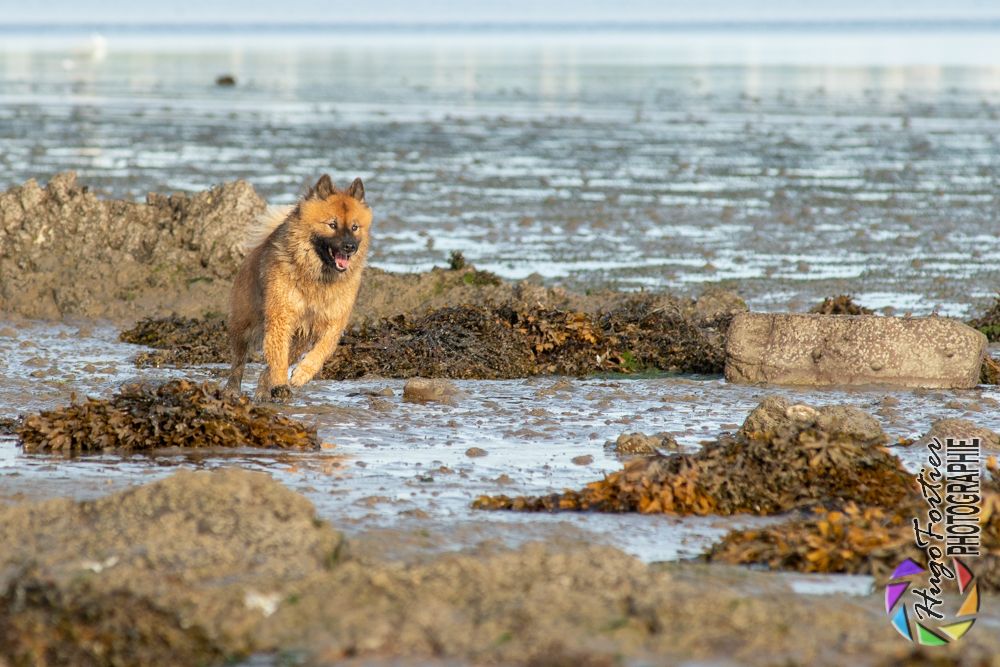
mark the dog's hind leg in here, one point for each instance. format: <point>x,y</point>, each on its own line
<point>240,347</point>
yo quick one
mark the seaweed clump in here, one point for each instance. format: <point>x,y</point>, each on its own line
<point>851,540</point>
<point>807,460</point>
<point>512,339</point>
<point>180,341</point>
<point>855,540</point>
<point>461,342</point>
<point>989,322</point>
<point>178,413</point>
<point>503,342</point>
<point>842,304</point>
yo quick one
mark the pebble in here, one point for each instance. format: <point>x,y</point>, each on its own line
<point>422,390</point>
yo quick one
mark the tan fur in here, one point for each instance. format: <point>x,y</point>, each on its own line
<point>266,223</point>
<point>287,299</point>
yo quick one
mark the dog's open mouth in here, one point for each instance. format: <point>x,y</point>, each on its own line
<point>340,260</point>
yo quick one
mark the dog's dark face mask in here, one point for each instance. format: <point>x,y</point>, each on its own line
<point>336,251</point>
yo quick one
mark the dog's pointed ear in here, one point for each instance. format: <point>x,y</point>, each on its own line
<point>357,190</point>
<point>323,188</point>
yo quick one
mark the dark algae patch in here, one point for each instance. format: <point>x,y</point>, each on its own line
<point>504,340</point>
<point>804,458</point>
<point>459,342</point>
<point>175,414</point>
<point>180,340</point>
<point>852,540</point>
<point>989,322</point>
<point>638,333</point>
<point>8,425</point>
<point>842,304</point>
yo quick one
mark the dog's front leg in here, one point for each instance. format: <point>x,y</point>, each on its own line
<point>277,339</point>
<point>313,361</point>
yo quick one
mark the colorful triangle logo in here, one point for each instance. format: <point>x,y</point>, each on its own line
<point>902,623</point>
<point>906,568</point>
<point>928,637</point>
<point>957,630</point>
<point>965,575</point>
<point>893,593</point>
<point>971,604</point>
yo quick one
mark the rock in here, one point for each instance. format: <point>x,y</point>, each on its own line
<point>422,390</point>
<point>839,421</point>
<point>225,80</point>
<point>584,460</point>
<point>475,452</point>
<point>960,428</point>
<point>65,252</point>
<point>640,444</point>
<point>715,303</point>
<point>797,349</point>
<point>151,573</point>
<point>380,404</point>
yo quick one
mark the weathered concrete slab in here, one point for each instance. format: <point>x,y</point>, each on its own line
<point>797,349</point>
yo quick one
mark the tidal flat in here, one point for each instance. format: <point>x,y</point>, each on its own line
<point>571,176</point>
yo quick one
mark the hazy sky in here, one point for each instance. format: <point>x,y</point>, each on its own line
<point>508,11</point>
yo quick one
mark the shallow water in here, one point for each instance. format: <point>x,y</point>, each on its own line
<point>826,161</point>
<point>396,476</point>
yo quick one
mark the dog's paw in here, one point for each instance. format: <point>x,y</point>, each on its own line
<point>281,393</point>
<point>301,375</point>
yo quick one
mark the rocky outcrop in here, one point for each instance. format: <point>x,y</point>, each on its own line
<point>64,251</point>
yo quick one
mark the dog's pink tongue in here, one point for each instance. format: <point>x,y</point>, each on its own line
<point>342,261</point>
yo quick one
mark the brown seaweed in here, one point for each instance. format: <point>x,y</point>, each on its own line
<point>178,413</point>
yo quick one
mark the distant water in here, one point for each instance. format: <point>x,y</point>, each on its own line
<point>788,162</point>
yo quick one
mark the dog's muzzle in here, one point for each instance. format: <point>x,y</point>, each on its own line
<point>342,254</point>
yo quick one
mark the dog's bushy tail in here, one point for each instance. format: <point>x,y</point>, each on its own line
<point>266,223</point>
